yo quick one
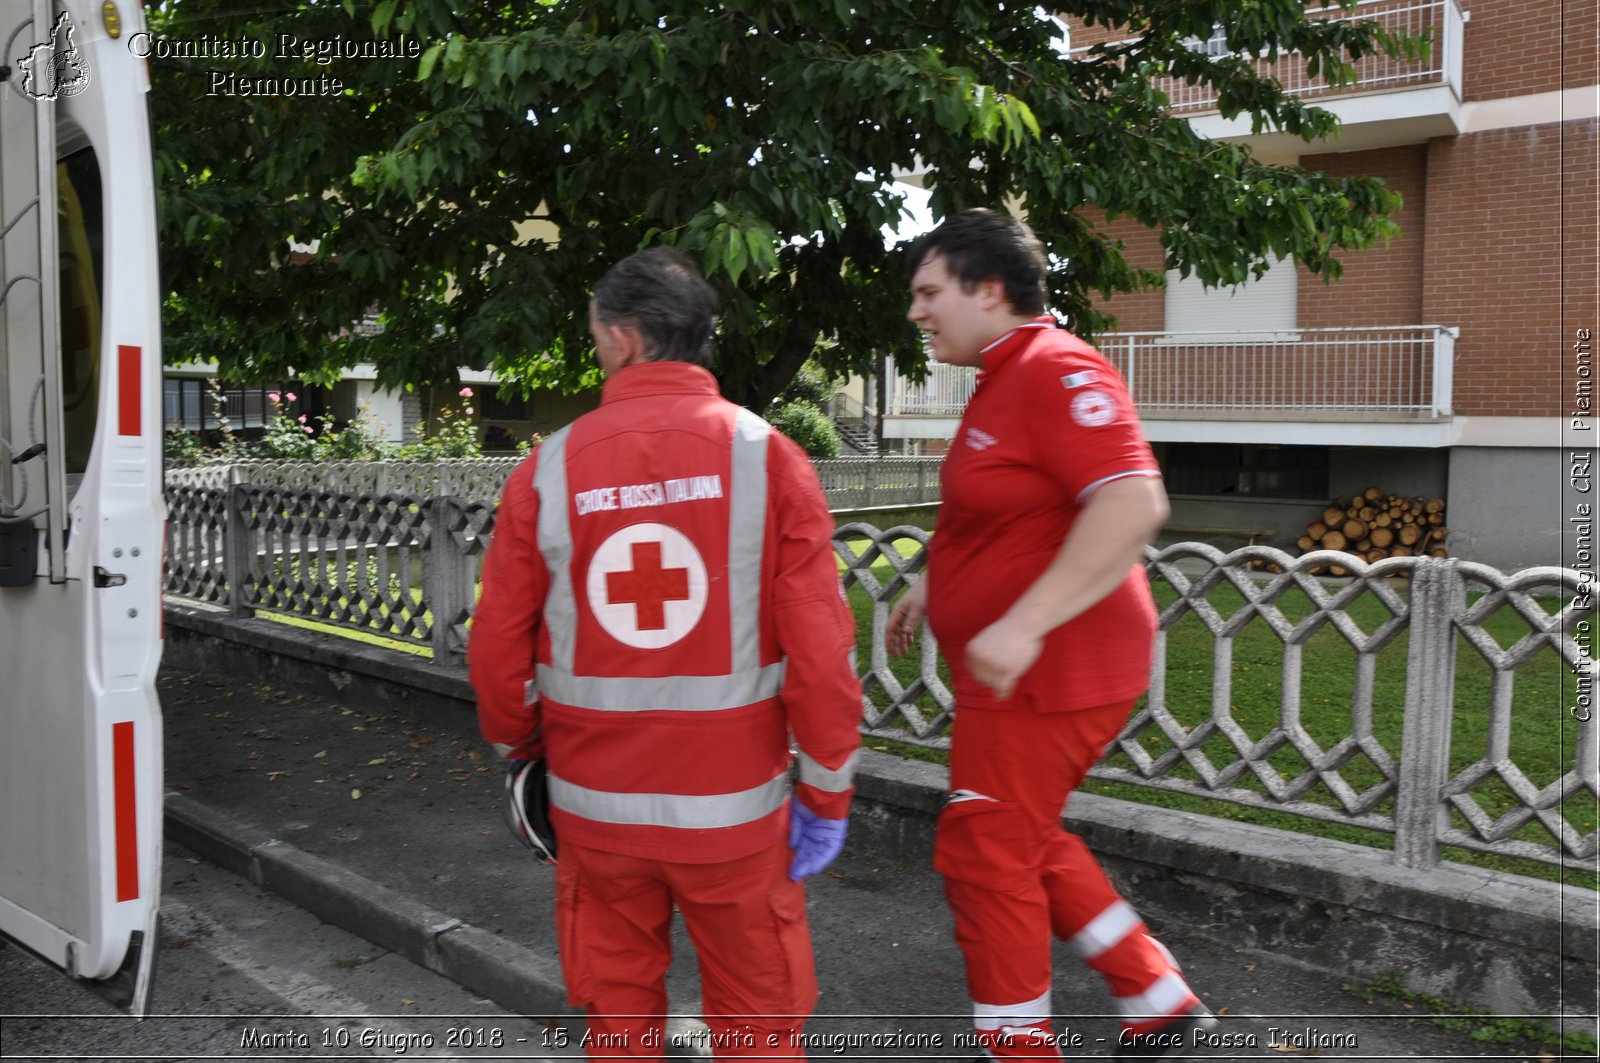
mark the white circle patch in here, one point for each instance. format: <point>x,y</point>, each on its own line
<point>647,585</point>
<point>1093,409</point>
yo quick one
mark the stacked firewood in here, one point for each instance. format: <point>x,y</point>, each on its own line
<point>1374,525</point>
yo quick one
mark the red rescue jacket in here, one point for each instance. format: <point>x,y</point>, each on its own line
<point>661,612</point>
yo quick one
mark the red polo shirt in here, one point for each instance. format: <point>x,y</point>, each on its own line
<point>1050,421</point>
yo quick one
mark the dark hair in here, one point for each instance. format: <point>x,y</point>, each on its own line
<point>980,244</point>
<point>661,294</point>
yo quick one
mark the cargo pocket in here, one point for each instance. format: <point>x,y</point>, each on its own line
<point>788,903</point>
<point>985,842</point>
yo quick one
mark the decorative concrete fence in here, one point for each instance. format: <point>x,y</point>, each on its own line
<point>856,483</point>
<point>406,568</point>
<point>849,483</point>
<point>479,479</point>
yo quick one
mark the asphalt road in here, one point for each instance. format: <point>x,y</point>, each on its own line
<point>242,974</point>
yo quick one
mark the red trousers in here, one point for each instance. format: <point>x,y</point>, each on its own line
<point>748,925</point>
<point>1015,878</point>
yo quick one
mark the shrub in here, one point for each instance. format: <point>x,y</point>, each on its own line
<point>360,440</point>
<point>804,422</point>
<point>456,437</point>
<point>183,448</point>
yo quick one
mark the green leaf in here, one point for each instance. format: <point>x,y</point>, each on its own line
<point>763,263</point>
<point>736,255</point>
<point>382,15</point>
<point>429,58</point>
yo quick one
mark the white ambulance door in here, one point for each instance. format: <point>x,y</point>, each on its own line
<point>81,510</point>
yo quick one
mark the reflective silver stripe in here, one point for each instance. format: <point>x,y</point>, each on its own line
<point>958,797</point>
<point>689,693</point>
<point>749,682</point>
<point>747,537</point>
<point>994,1016</point>
<point>691,812</point>
<point>555,544</point>
<point>1167,995</point>
<point>1105,930</point>
<point>833,781</point>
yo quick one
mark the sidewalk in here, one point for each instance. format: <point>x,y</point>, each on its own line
<point>388,825</point>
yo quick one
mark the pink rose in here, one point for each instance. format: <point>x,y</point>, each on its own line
<point>289,396</point>
<point>465,393</point>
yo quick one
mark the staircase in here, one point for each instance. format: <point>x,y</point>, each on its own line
<point>854,425</point>
<point>857,436</point>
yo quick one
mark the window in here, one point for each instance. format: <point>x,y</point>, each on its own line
<point>1215,46</point>
<point>1245,470</point>
<point>79,209</point>
<point>189,404</point>
<point>1268,305</point>
<point>499,402</point>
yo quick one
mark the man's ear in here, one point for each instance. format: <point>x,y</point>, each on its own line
<point>629,343</point>
<point>992,294</point>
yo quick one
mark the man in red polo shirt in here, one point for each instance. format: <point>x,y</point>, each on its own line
<point>1036,592</point>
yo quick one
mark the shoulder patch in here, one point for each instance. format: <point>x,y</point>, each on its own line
<point>1078,380</point>
<point>1093,409</point>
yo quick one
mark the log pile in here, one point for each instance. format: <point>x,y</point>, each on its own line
<point>1374,525</point>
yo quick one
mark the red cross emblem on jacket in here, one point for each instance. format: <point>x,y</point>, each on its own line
<point>647,585</point>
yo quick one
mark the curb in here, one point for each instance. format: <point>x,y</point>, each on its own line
<point>513,976</point>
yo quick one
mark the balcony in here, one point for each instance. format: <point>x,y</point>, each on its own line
<point>1393,101</point>
<point>1400,375</point>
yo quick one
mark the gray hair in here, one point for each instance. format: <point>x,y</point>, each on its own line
<point>661,294</point>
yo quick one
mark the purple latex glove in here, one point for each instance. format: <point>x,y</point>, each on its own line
<point>815,840</point>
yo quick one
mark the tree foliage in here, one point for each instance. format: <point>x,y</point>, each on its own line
<point>474,194</point>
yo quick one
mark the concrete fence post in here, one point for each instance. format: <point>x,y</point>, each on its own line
<point>1438,595</point>
<point>447,575</point>
<point>238,554</point>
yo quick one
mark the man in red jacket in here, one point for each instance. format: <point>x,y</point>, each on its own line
<point>1036,592</point>
<point>661,615</point>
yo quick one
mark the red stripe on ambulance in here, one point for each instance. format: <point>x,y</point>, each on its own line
<point>125,799</point>
<point>130,391</point>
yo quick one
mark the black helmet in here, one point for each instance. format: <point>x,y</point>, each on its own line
<point>528,807</point>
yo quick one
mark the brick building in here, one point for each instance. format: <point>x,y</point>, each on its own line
<point>1441,364</point>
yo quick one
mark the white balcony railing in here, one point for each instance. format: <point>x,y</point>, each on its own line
<point>1403,371</point>
<point>1441,19</point>
<point>943,394</point>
